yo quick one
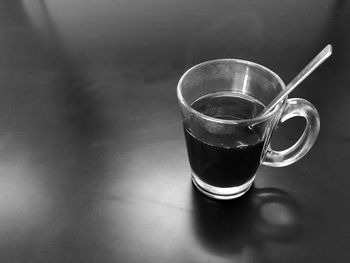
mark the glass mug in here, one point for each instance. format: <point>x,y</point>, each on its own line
<point>227,141</point>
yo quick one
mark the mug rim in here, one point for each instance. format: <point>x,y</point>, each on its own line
<point>222,121</point>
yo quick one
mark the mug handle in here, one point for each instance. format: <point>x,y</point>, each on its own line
<point>295,108</point>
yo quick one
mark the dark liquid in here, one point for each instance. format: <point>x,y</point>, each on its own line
<point>220,165</point>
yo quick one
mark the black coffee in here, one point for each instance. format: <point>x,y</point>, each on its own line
<point>222,165</point>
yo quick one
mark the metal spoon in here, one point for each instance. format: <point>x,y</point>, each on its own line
<point>318,60</point>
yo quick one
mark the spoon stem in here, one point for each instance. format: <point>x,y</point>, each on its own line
<point>317,61</point>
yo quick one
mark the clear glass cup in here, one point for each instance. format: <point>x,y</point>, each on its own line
<point>226,139</point>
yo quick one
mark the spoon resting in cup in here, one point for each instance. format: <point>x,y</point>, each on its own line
<point>317,61</point>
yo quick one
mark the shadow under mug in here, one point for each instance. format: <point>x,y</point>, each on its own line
<point>225,152</point>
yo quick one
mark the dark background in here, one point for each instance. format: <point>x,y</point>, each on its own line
<point>93,164</point>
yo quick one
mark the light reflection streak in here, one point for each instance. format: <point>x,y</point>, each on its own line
<point>245,81</point>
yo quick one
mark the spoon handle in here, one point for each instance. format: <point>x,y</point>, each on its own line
<point>318,60</point>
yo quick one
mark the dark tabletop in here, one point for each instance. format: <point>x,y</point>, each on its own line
<point>93,163</point>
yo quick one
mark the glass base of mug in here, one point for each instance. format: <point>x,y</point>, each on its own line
<point>221,193</point>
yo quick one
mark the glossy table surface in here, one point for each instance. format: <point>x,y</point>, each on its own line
<point>93,163</point>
